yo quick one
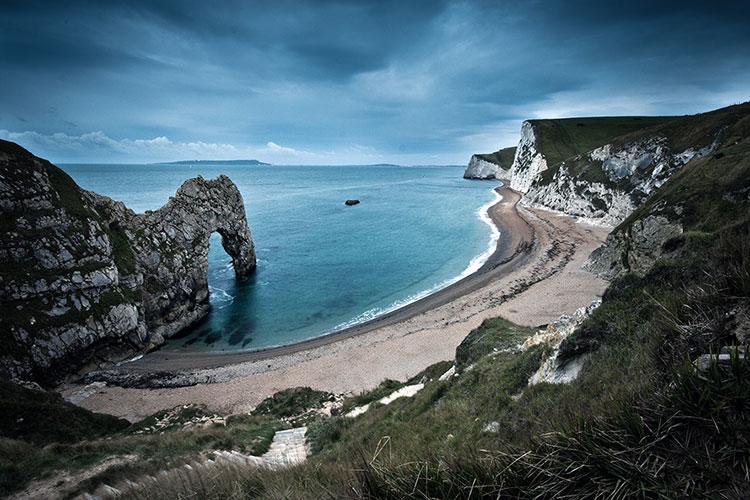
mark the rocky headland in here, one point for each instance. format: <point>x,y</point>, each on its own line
<point>85,280</point>
<point>490,166</point>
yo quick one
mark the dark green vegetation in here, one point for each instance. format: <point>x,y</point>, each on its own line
<point>502,158</point>
<point>39,417</point>
<point>45,437</point>
<point>294,402</point>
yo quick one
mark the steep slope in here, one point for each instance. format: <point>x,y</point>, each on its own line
<point>606,183</point>
<point>546,143</point>
<point>84,279</point>
<point>710,192</point>
<point>491,166</point>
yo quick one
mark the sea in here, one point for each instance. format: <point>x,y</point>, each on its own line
<point>322,265</point>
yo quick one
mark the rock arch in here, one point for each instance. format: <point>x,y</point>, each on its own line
<point>84,279</point>
<point>171,246</point>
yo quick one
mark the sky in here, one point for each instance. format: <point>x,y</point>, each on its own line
<point>337,82</point>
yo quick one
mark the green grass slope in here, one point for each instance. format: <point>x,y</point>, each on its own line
<point>559,139</point>
<point>502,158</point>
<point>564,140</point>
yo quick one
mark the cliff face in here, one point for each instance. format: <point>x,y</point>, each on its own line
<point>602,169</point>
<point>490,166</point>
<point>84,279</point>
<point>481,169</point>
<point>605,185</point>
<point>529,161</point>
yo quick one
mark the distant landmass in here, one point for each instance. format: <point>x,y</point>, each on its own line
<point>213,162</point>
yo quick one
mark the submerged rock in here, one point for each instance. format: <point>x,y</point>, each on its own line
<point>84,279</point>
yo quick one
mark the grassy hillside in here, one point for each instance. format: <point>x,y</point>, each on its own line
<point>560,139</point>
<point>564,139</point>
<point>712,191</point>
<point>503,157</point>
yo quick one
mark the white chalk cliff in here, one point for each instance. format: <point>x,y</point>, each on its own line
<point>528,162</point>
<point>482,169</point>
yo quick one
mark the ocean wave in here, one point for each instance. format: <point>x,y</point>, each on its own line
<point>474,265</point>
<point>219,297</point>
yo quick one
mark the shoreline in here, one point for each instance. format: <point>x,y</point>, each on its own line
<point>503,214</point>
<point>483,215</point>
<point>534,276</point>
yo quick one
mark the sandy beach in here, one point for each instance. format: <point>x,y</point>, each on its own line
<point>532,278</point>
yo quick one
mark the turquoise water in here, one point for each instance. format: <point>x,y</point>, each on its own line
<point>321,265</point>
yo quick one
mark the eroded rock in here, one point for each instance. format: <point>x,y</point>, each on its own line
<point>84,279</point>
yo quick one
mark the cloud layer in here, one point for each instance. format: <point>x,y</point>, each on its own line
<point>359,81</point>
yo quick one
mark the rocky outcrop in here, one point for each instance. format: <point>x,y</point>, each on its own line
<point>529,161</point>
<point>84,279</point>
<point>611,180</point>
<point>635,249</point>
<point>490,166</point>
<point>171,248</point>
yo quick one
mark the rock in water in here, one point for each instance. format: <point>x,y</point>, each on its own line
<point>83,278</point>
<point>349,203</point>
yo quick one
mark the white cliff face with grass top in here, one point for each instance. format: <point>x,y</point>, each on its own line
<point>608,183</point>
<point>482,169</point>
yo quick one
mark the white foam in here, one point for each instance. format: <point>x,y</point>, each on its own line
<point>474,265</point>
<point>219,297</point>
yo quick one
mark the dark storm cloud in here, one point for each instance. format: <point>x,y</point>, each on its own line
<point>337,81</point>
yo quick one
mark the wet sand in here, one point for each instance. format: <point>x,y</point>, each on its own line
<point>533,277</point>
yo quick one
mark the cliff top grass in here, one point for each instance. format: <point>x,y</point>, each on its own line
<point>502,157</point>
<point>563,138</point>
